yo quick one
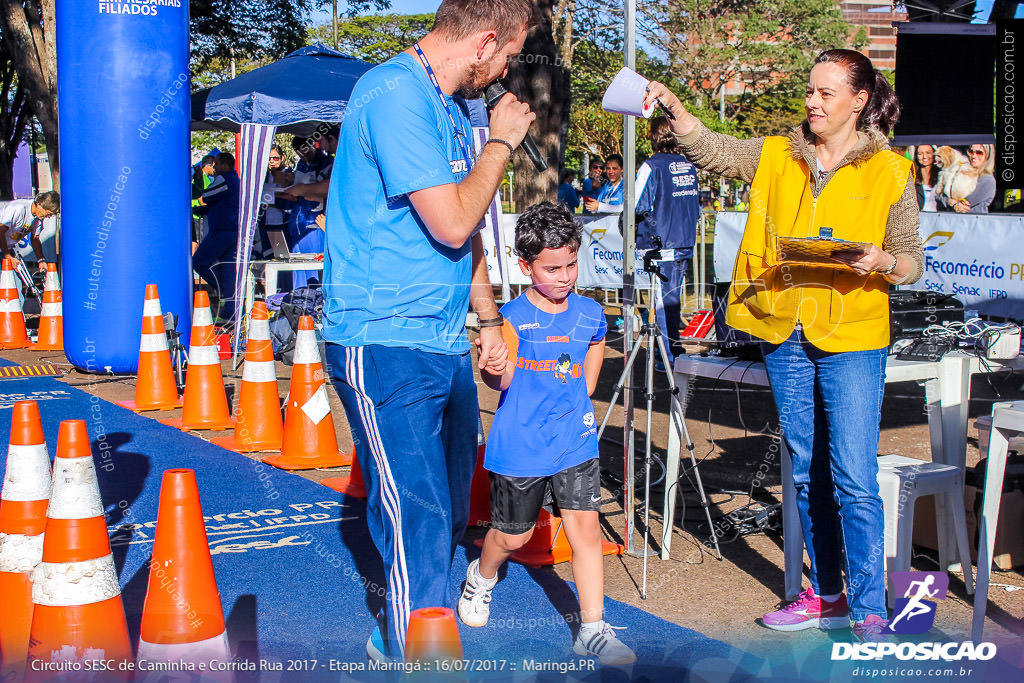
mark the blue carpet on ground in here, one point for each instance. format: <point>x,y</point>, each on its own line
<point>299,577</point>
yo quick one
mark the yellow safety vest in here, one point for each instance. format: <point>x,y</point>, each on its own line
<point>839,310</point>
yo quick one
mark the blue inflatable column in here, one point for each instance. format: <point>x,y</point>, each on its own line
<point>123,97</point>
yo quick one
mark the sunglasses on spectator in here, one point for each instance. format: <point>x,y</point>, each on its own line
<point>976,151</point>
<point>275,158</point>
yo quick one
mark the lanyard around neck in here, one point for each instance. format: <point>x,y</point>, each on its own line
<point>459,135</point>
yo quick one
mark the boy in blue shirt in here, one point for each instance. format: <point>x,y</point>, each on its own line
<point>543,443</point>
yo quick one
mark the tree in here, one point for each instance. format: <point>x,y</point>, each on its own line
<point>538,76</point>
<point>762,45</point>
<point>15,114</point>
<point>255,29</point>
<point>375,38</point>
<point>29,28</point>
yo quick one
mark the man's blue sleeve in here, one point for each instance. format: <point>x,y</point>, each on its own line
<point>403,136</point>
<point>217,190</point>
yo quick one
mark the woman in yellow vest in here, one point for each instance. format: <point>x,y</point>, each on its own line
<point>825,329</point>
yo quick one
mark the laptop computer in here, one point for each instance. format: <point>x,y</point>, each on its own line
<point>279,244</point>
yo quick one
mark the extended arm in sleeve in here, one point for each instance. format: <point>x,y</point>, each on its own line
<point>721,154</point>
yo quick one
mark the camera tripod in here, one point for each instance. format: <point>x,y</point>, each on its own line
<point>651,334</point>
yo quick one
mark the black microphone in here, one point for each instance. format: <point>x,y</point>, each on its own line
<point>495,91</point>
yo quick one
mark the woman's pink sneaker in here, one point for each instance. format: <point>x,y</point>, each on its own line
<point>809,611</point>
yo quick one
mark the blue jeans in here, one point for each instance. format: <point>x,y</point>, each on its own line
<point>414,419</point>
<point>830,408</point>
<point>666,311</point>
<point>214,261</point>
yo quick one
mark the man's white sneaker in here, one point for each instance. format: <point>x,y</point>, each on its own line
<point>474,604</point>
<point>604,644</point>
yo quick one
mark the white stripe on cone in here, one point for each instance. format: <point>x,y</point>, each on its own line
<point>306,351</point>
<point>68,584</point>
<point>28,473</point>
<point>52,283</point>
<point>202,317</point>
<point>10,305</point>
<point>152,308</point>
<point>318,406</point>
<point>7,280</point>
<point>20,553</point>
<point>203,355</point>
<point>75,491</point>
<point>259,330</point>
<point>53,309</point>
<point>153,342</point>
<point>214,649</point>
<point>259,371</point>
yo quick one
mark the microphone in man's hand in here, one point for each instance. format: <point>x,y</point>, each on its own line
<point>495,91</point>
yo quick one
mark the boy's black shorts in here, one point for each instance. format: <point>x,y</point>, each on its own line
<point>516,501</point>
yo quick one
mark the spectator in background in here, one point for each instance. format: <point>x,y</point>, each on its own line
<point>275,217</point>
<point>312,177</point>
<point>21,218</point>
<point>667,208</point>
<point>214,260</point>
<point>566,192</point>
<point>593,182</point>
<point>983,164</point>
<point>202,176</point>
<point>926,177</point>
<point>609,199</point>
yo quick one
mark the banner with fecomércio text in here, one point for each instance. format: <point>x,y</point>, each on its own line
<point>975,258</point>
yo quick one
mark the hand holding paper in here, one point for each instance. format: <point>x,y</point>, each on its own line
<point>626,94</point>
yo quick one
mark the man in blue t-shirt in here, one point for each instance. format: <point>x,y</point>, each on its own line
<point>668,207</point>
<point>214,258</point>
<point>402,266</point>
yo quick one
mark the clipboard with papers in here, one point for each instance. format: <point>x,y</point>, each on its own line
<point>817,250</point>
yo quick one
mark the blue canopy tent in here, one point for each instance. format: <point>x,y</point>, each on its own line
<point>293,94</point>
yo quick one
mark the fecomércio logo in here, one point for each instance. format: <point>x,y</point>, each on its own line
<point>914,612</point>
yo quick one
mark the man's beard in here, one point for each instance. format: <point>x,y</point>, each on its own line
<point>474,84</point>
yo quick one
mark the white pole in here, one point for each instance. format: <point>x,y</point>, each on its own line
<point>628,281</point>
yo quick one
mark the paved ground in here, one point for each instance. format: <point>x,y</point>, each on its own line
<point>730,427</point>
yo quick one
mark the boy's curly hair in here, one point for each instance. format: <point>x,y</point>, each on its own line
<point>548,225</point>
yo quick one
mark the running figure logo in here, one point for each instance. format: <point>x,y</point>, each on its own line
<point>915,610</point>
<point>563,367</point>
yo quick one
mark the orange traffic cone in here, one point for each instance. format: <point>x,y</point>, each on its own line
<point>432,634</point>
<point>480,492</point>
<point>548,545</point>
<point>13,334</point>
<point>23,501</point>
<point>78,615</point>
<point>182,619</point>
<point>51,320</point>
<point>351,484</point>
<point>206,403</point>
<point>155,388</point>
<point>258,424</point>
<point>309,438</point>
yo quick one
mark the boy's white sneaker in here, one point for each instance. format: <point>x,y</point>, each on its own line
<point>599,640</point>
<point>474,603</point>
